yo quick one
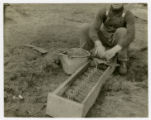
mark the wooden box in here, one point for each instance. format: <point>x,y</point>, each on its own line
<point>58,106</point>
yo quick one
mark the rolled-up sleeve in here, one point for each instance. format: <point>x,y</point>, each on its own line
<point>95,27</point>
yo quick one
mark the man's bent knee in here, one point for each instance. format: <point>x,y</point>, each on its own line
<point>122,31</point>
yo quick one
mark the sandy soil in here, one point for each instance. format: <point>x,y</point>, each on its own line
<point>32,75</point>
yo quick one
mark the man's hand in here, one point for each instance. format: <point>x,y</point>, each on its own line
<point>109,54</point>
<point>99,49</point>
<point>112,52</point>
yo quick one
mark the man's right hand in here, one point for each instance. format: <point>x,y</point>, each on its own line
<point>99,49</point>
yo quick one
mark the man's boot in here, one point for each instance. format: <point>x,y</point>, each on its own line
<point>123,68</point>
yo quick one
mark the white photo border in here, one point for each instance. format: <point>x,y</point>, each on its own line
<point>70,1</point>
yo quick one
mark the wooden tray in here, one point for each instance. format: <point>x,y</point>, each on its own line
<point>58,106</point>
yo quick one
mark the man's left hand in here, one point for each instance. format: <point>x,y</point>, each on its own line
<point>112,52</point>
<point>109,54</point>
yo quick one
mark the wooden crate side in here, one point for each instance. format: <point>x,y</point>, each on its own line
<point>60,90</point>
<point>93,94</point>
<point>61,107</point>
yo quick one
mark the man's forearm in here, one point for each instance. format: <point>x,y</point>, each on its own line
<point>112,52</point>
<point>116,48</point>
<point>98,43</point>
<point>99,49</point>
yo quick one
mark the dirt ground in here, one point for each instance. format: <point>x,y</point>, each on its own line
<point>32,75</point>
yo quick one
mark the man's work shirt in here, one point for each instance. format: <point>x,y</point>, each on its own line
<point>113,21</point>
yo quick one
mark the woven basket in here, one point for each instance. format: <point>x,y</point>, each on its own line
<point>73,58</point>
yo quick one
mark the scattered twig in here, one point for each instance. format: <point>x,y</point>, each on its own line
<point>41,50</point>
